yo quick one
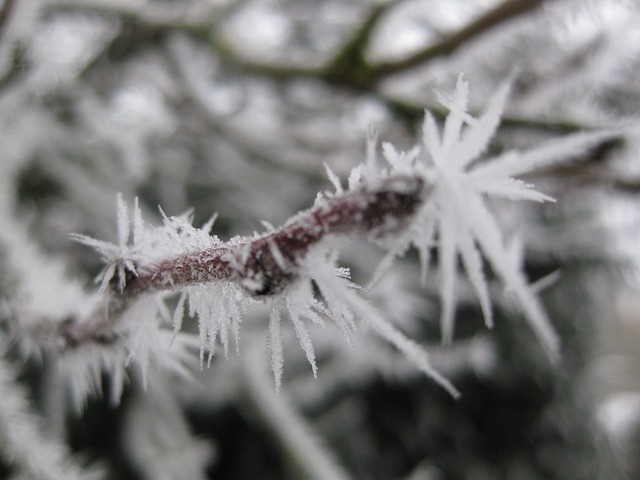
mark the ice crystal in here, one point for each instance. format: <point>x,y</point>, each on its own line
<point>455,217</point>
<point>300,302</point>
<point>140,243</point>
<point>219,307</point>
<point>342,303</point>
<point>118,258</point>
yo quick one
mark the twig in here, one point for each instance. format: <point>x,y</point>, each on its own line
<point>254,263</point>
<point>502,13</point>
<point>349,65</point>
<point>347,68</point>
<point>264,265</point>
<point>413,113</point>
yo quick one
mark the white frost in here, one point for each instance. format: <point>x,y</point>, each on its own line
<point>455,217</point>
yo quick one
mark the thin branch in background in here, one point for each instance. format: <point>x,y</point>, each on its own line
<point>363,211</point>
<point>308,456</point>
<point>348,67</point>
<point>504,12</point>
<point>5,14</point>
<point>412,114</point>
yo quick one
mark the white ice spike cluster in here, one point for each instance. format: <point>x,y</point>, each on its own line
<point>455,217</point>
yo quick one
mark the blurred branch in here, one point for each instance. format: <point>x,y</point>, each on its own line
<point>276,71</point>
<point>499,15</point>
<point>413,114</point>
<point>581,176</point>
<point>347,68</point>
<point>156,15</point>
<point>578,176</point>
<point>300,445</point>
<point>5,13</point>
<point>16,66</point>
<point>593,170</point>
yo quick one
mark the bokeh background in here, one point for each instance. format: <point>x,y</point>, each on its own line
<point>234,107</point>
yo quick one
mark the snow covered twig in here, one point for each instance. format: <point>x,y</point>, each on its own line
<point>431,197</point>
<point>265,265</point>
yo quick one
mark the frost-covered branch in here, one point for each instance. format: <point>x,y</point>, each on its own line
<point>429,198</point>
<point>233,107</point>
<point>263,265</point>
<point>268,263</point>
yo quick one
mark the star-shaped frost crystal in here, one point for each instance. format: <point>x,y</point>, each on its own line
<point>455,217</point>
